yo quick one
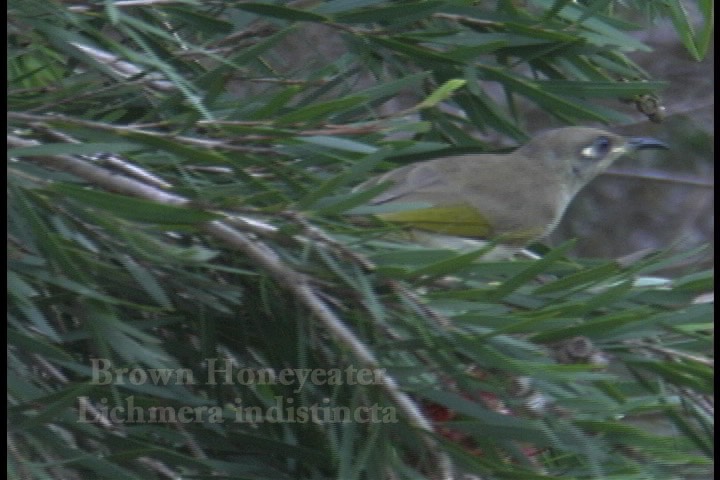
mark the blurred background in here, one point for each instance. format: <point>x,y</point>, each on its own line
<point>667,198</point>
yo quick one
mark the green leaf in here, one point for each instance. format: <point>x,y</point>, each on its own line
<point>580,280</point>
<point>279,101</point>
<point>183,152</point>
<point>450,265</point>
<point>148,281</point>
<point>337,204</point>
<point>442,93</point>
<point>600,89</point>
<point>562,108</point>
<point>284,13</point>
<point>198,20</point>
<point>319,111</point>
<point>135,208</point>
<point>411,50</point>
<point>358,171</point>
<point>697,44</point>
<point>534,269</point>
<point>37,345</point>
<point>21,293</point>
<point>394,14</point>
<point>339,143</point>
<point>56,403</point>
<point>72,149</point>
<point>597,30</point>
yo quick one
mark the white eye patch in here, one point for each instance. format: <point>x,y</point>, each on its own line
<point>598,149</point>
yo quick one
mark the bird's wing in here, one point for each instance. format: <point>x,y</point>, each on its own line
<point>447,210</point>
<point>408,180</point>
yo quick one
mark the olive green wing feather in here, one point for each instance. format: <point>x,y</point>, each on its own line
<point>460,219</point>
<point>447,212</point>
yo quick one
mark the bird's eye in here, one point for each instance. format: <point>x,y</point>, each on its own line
<point>599,148</point>
<point>602,146</point>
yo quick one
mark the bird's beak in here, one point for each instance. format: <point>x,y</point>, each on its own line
<point>639,143</point>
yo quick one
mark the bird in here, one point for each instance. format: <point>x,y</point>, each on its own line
<point>512,199</point>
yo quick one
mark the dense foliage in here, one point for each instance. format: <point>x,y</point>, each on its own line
<point>181,202</point>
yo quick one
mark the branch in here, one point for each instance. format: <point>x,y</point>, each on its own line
<point>260,254</point>
<point>124,3</point>
<point>197,142</point>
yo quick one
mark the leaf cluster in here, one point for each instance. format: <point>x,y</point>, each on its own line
<point>180,196</point>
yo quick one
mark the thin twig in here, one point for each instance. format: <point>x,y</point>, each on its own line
<point>328,129</point>
<point>672,354</point>
<point>114,161</point>
<point>209,144</point>
<point>125,69</point>
<point>466,20</point>
<point>124,3</point>
<point>665,177</point>
<point>99,176</point>
<point>260,30</point>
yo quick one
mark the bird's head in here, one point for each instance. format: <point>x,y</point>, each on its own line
<point>578,154</point>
